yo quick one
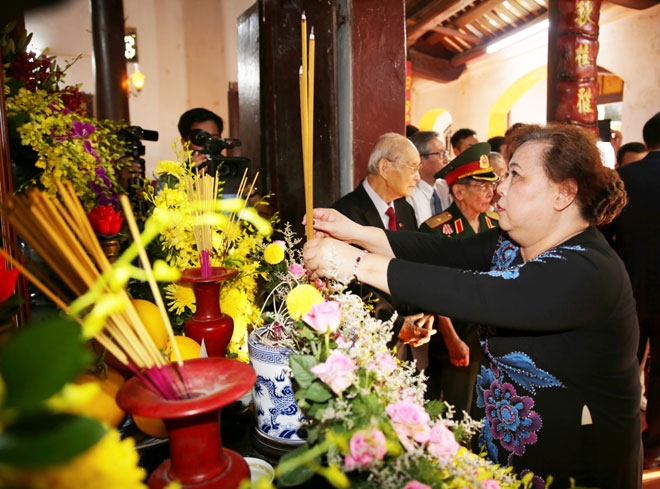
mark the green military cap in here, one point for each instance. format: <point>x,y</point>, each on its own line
<point>472,163</point>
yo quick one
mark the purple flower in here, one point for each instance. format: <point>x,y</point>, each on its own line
<point>82,130</point>
<point>511,419</point>
<point>365,446</point>
<point>90,149</point>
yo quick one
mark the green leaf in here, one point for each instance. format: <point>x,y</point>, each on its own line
<point>317,392</point>
<point>48,439</point>
<point>39,359</point>
<point>299,473</point>
<point>300,366</point>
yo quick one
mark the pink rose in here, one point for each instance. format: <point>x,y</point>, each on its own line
<point>442,443</point>
<point>490,484</point>
<point>410,420</point>
<point>324,317</point>
<point>365,446</point>
<point>383,363</point>
<point>338,372</point>
<point>297,271</point>
<point>416,485</point>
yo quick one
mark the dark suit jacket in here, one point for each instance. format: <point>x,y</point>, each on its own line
<point>635,233</point>
<point>358,206</point>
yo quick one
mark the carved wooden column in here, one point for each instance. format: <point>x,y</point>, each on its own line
<point>572,66</point>
<point>111,99</point>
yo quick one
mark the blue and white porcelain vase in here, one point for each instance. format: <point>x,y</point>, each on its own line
<point>279,420</point>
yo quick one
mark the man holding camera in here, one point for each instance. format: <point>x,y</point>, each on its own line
<point>191,123</point>
<point>201,133</point>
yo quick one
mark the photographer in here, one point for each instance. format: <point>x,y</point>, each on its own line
<point>201,130</point>
<point>195,120</point>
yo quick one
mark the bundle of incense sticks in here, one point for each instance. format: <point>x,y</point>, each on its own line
<point>306,79</point>
<point>61,234</point>
<point>202,192</point>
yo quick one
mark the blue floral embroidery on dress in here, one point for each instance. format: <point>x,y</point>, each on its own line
<point>510,419</point>
<point>507,252</point>
<point>510,422</point>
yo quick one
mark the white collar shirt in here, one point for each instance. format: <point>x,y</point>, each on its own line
<point>381,205</point>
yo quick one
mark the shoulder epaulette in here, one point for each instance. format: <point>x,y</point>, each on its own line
<point>438,220</point>
<point>493,215</point>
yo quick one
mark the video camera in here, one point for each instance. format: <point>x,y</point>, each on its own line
<point>133,136</point>
<point>212,146</point>
<point>229,169</point>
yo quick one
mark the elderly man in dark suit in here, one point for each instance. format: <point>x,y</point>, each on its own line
<point>380,201</point>
<point>635,234</point>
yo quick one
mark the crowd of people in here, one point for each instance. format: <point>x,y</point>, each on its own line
<point>504,253</point>
<point>536,265</point>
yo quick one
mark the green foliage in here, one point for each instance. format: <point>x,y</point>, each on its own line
<point>36,363</point>
<point>47,439</point>
<point>49,353</point>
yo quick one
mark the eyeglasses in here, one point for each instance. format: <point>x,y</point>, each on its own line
<point>441,154</point>
<point>413,167</point>
<point>483,186</point>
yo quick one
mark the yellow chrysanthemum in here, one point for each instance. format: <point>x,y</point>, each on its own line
<point>169,167</point>
<point>301,299</point>
<point>273,253</point>
<point>180,298</point>
<point>111,463</point>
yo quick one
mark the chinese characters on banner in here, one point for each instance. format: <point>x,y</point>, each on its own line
<point>577,40</point>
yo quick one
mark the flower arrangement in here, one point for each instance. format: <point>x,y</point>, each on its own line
<point>368,423</point>
<point>233,246</point>
<point>51,133</point>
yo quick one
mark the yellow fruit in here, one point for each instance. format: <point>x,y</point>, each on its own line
<point>188,348</point>
<point>152,321</point>
<point>151,426</point>
<point>103,405</point>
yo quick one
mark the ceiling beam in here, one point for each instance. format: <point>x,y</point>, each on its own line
<point>432,15</point>
<point>436,69</point>
<point>445,31</point>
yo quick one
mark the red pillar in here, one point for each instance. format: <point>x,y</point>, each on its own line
<point>572,66</point>
<point>378,40</point>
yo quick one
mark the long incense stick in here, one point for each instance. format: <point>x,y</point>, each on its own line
<point>62,235</point>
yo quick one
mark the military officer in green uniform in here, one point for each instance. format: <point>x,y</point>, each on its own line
<point>454,354</point>
<point>472,182</point>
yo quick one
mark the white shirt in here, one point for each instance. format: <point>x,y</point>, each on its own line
<point>381,205</point>
<point>421,199</point>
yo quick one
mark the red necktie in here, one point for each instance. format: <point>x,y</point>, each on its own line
<point>391,225</point>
